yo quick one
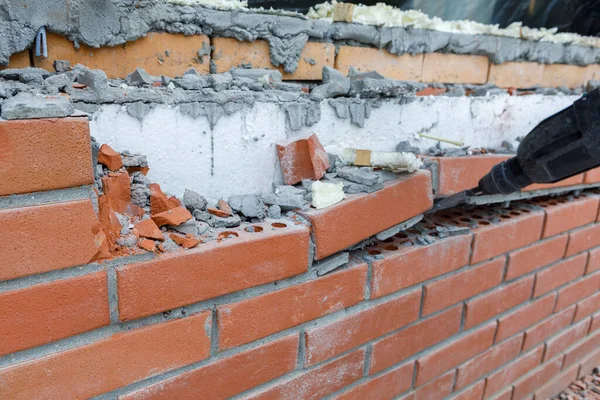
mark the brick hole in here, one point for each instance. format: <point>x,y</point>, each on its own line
<point>525,210</point>
<point>464,219</point>
<point>477,216</point>
<point>485,222</point>
<point>505,216</point>
<point>227,235</point>
<point>278,225</point>
<point>457,213</point>
<point>413,231</point>
<point>515,213</point>
<point>254,229</point>
<point>553,203</point>
<point>374,252</point>
<point>401,242</point>
<point>401,235</point>
<point>391,247</point>
<point>434,234</point>
<point>388,240</point>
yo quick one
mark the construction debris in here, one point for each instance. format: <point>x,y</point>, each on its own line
<point>107,156</point>
<point>393,161</point>
<point>302,159</point>
<point>325,194</point>
<point>27,106</point>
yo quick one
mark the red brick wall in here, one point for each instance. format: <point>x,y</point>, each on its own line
<point>510,308</point>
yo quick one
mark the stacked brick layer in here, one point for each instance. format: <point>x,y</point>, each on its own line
<point>508,308</point>
<point>183,53</point>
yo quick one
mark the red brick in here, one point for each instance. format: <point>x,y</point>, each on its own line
<point>260,316</point>
<point>556,75</point>
<point>395,348</point>
<point>595,322</point>
<point>488,361</point>
<point>438,388</point>
<point>582,350</point>
<point>474,392</point>
<point>211,270</point>
<point>559,274</point>
<point>337,227</point>
<point>589,364</point>
<point>456,174</point>
<point>311,385</point>
<point>548,327</point>
<point>583,239</point>
<point>229,376</point>
<point>302,159</point>
<point>516,74</point>
<point>405,67</point>
<point>563,217</point>
<point>557,384</point>
<point>592,176</point>
<point>525,317</point>
<point>411,265</point>
<point>565,339</point>
<point>587,307</point>
<point>593,261</point>
<point>523,261</point>
<point>457,351</point>
<point>44,154</point>
<point>502,299</point>
<point>510,234</point>
<point>516,369</point>
<point>36,239</point>
<point>577,291</point>
<point>443,293</point>
<point>43,313</point>
<point>536,378</point>
<point>330,340</point>
<point>111,363</point>
<point>383,387</point>
<point>454,68</point>
<point>505,394</point>
<point>574,180</point>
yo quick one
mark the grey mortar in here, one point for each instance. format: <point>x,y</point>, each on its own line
<point>103,23</point>
<point>27,106</point>
<point>138,110</point>
<point>331,263</point>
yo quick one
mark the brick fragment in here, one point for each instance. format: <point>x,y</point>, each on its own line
<point>502,299</point>
<point>488,361</point>
<point>548,327</point>
<point>147,244</point>
<point>405,67</point>
<point>517,231</point>
<point>109,221</point>
<point>231,53</point>
<point>75,305</point>
<point>431,91</point>
<point>576,291</point>
<point>559,274</point>
<point>525,317</point>
<point>411,265</point>
<point>566,338</point>
<point>583,239</point>
<point>129,356</point>
<point>109,157</point>
<point>174,216</point>
<point>438,388</point>
<point>457,351</point>
<point>536,378</point>
<point>336,228</point>
<point>44,154</point>
<point>383,387</point>
<point>557,384</point>
<point>32,235</point>
<point>556,75</point>
<point>522,75</point>
<point>184,241</point>
<point>398,346</point>
<point>211,270</point>
<point>148,52</point>
<point>302,159</point>
<point>148,229</point>
<point>159,202</point>
<point>116,187</point>
<point>454,68</point>
<point>545,252</point>
<point>513,371</point>
<point>311,385</point>
<point>260,316</point>
<point>443,293</point>
<point>330,340</point>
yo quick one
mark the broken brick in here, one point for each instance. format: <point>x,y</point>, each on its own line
<point>159,202</point>
<point>223,206</point>
<point>175,216</point>
<point>185,242</point>
<point>147,244</point>
<point>302,159</point>
<point>108,219</point>
<point>116,187</point>
<point>218,213</point>
<point>110,158</point>
<point>148,229</point>
<point>143,170</point>
<point>101,243</point>
<point>431,91</point>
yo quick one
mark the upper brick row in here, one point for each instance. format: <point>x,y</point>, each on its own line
<point>182,53</point>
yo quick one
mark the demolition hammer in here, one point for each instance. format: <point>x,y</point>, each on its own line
<point>563,145</point>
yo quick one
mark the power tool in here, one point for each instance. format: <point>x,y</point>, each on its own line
<point>563,145</point>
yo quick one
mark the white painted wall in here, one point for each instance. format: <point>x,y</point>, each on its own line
<point>239,155</point>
